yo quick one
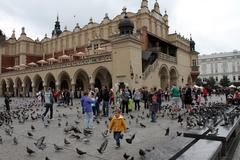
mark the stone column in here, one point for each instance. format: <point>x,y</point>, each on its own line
<point>73,86</point>
<point>92,83</point>
<point>33,89</point>
<point>24,90</point>
<point>1,91</point>
<point>45,86</point>
<point>57,85</point>
<point>15,91</point>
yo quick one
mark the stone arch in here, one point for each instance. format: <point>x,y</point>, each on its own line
<point>164,76</point>
<point>81,80</point>
<point>38,83</point>
<point>173,76</point>
<point>28,85</point>
<point>102,77</point>
<point>3,87</point>
<point>10,85</point>
<point>50,80</point>
<point>64,80</point>
<point>18,87</point>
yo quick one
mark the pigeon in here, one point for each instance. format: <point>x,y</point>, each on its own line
<point>66,142</point>
<point>1,141</point>
<point>8,131</point>
<point>30,151</point>
<point>76,122</point>
<point>75,136</point>
<point>136,120</point>
<point>98,122</point>
<point>131,116</point>
<point>29,134</point>
<point>59,124</point>
<point>105,134</point>
<point>125,156</point>
<point>32,128</point>
<point>142,125</point>
<point>103,146</point>
<point>47,158</point>
<point>57,148</point>
<point>86,141</point>
<point>142,153</point>
<point>129,140</point>
<point>179,133</point>
<point>180,119</point>
<point>80,152</point>
<point>132,158</point>
<point>167,131</point>
<point>39,144</point>
<point>15,141</point>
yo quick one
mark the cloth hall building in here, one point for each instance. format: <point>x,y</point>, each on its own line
<point>134,49</point>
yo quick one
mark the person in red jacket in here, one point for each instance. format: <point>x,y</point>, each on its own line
<point>205,94</point>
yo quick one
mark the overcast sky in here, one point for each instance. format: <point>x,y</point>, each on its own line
<point>214,24</point>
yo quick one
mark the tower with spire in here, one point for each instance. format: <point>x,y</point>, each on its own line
<point>2,37</point>
<point>57,29</point>
<point>144,7</point>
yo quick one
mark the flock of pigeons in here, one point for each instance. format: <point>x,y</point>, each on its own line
<point>202,116</point>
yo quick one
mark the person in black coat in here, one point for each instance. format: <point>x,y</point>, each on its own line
<point>7,101</point>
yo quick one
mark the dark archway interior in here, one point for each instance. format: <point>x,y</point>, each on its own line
<point>103,78</point>
<point>64,85</point>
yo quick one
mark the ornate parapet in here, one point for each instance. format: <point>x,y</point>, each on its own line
<point>91,59</point>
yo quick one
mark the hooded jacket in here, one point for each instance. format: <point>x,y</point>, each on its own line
<point>117,124</point>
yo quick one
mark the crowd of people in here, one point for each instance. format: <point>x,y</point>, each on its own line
<point>97,102</point>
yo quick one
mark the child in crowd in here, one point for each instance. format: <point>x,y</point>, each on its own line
<point>117,125</point>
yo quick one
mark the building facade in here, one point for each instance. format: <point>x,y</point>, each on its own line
<point>133,49</point>
<point>218,65</point>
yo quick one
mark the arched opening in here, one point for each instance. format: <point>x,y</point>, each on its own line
<point>173,77</point>
<point>64,80</point>
<point>11,89</point>
<point>102,77</point>
<point>81,79</point>
<point>28,86</point>
<point>38,83</point>
<point>50,81</point>
<point>3,87</point>
<point>19,88</point>
<point>163,73</point>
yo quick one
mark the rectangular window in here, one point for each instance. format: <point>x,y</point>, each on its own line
<point>217,79</point>
<point>239,78</point>
<point>194,62</point>
<point>234,78</point>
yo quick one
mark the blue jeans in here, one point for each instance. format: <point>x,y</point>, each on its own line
<point>88,120</point>
<point>154,109</point>
<point>117,136</point>
<point>105,108</point>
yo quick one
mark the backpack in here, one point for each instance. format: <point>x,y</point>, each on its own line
<point>154,99</point>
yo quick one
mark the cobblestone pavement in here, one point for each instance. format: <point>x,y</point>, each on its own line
<point>146,138</point>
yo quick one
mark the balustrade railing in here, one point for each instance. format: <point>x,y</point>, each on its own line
<point>90,59</point>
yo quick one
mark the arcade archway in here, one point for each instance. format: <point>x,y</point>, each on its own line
<point>64,80</point>
<point>102,77</point>
<point>164,78</point>
<point>173,76</point>
<point>50,81</point>
<point>28,86</point>
<point>10,85</point>
<point>3,87</point>
<point>37,80</point>
<point>81,80</point>
<point>19,88</point>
